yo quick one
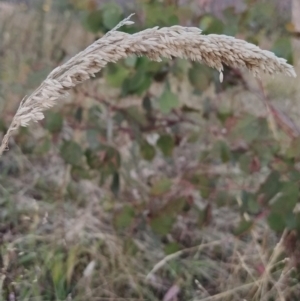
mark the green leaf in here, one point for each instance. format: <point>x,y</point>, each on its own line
<point>3,127</point>
<point>115,184</point>
<point>244,226</point>
<point>223,114</point>
<point>288,198</point>
<point>158,14</point>
<point>162,224</point>
<point>211,25</point>
<point>147,105</point>
<point>78,114</point>
<point>200,76</point>
<point>245,162</point>
<point>130,61</point>
<point>276,221</point>
<point>265,151</point>
<point>250,203</point>
<point>294,175</point>
<point>138,83</point>
<point>93,116</point>
<point>205,183</point>
<point>71,152</point>
<point>28,258</point>
<point>124,218</point>
<point>166,144</point>
<point>231,27</point>
<point>135,114</point>
<point>181,68</point>
<point>207,108</point>
<point>294,149</point>
<point>162,186</point>
<point>92,137</point>
<point>43,146</point>
<point>93,21</point>
<point>252,128</point>
<point>283,48</point>
<point>292,221</point>
<point>145,65</point>
<point>112,15</point>
<point>147,150</point>
<point>295,222</point>
<point>261,14</point>
<point>53,121</point>
<point>171,248</point>
<point>270,187</point>
<point>116,74</point>
<point>221,150</point>
<point>168,101</point>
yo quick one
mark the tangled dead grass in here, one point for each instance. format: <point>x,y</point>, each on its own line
<point>155,43</point>
<point>102,265</point>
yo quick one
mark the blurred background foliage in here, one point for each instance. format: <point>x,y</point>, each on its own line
<point>147,158</point>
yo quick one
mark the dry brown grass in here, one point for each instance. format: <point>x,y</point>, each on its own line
<point>176,41</point>
<point>80,232</point>
<point>223,266</point>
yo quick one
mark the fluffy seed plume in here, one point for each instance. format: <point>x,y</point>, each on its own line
<point>154,43</point>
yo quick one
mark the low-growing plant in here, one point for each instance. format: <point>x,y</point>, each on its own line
<point>218,161</point>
